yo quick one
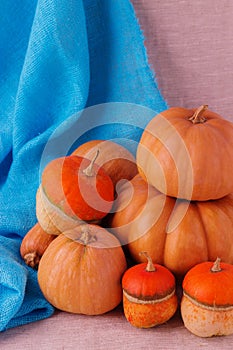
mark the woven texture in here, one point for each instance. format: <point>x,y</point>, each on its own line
<point>111,331</point>
<point>56,58</point>
<point>190,48</point>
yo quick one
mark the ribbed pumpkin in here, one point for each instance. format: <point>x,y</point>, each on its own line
<point>81,270</point>
<point>207,302</point>
<point>187,153</point>
<point>176,233</point>
<point>73,189</point>
<point>115,159</point>
<point>149,297</point>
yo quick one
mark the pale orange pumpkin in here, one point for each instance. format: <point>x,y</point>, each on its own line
<point>207,301</point>
<point>187,153</point>
<point>81,270</point>
<point>115,159</point>
<point>176,233</point>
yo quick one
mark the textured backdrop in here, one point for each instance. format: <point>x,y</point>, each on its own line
<point>190,47</point>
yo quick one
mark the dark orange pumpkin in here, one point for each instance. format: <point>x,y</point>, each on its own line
<point>187,153</point>
<point>149,297</point>
<point>73,189</point>
<point>176,233</point>
<point>207,302</point>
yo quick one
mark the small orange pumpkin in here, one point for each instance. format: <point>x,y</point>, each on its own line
<point>176,233</point>
<point>115,159</point>
<point>73,189</point>
<point>187,153</point>
<point>149,297</point>
<point>34,244</point>
<point>207,301</point>
<point>81,270</point>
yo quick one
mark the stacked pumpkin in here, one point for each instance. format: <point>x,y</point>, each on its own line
<point>179,208</point>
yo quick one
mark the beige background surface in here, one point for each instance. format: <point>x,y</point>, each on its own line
<point>106,332</point>
<point>190,47</point>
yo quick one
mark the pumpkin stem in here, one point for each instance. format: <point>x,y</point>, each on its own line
<point>89,170</point>
<point>150,266</point>
<point>32,259</point>
<point>216,266</point>
<point>86,237</point>
<point>197,116</point>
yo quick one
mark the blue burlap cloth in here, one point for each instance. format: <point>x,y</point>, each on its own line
<point>58,57</point>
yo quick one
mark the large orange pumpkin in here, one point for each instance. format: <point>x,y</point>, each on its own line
<point>115,159</point>
<point>187,153</point>
<point>81,270</point>
<point>176,233</point>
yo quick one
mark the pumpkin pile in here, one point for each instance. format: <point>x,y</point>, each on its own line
<point>80,263</point>
<point>179,208</point>
<point>172,212</point>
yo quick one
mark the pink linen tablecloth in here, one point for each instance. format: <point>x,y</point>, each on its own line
<point>190,48</point>
<point>111,331</point>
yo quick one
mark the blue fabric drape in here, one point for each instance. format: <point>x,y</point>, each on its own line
<point>57,58</point>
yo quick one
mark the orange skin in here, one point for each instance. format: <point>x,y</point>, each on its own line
<point>149,315</point>
<point>207,302</point>
<point>115,159</point>
<point>78,195</point>
<point>187,159</point>
<point>34,244</point>
<point>81,270</point>
<point>149,295</point>
<point>177,234</point>
<point>206,286</point>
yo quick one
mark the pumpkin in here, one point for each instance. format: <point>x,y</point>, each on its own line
<point>72,190</point>
<point>81,270</point>
<point>207,301</point>
<point>187,153</point>
<point>149,297</point>
<point>176,233</point>
<point>115,159</point>
<point>34,244</point>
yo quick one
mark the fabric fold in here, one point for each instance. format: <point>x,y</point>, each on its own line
<point>58,58</point>
<point>21,300</point>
